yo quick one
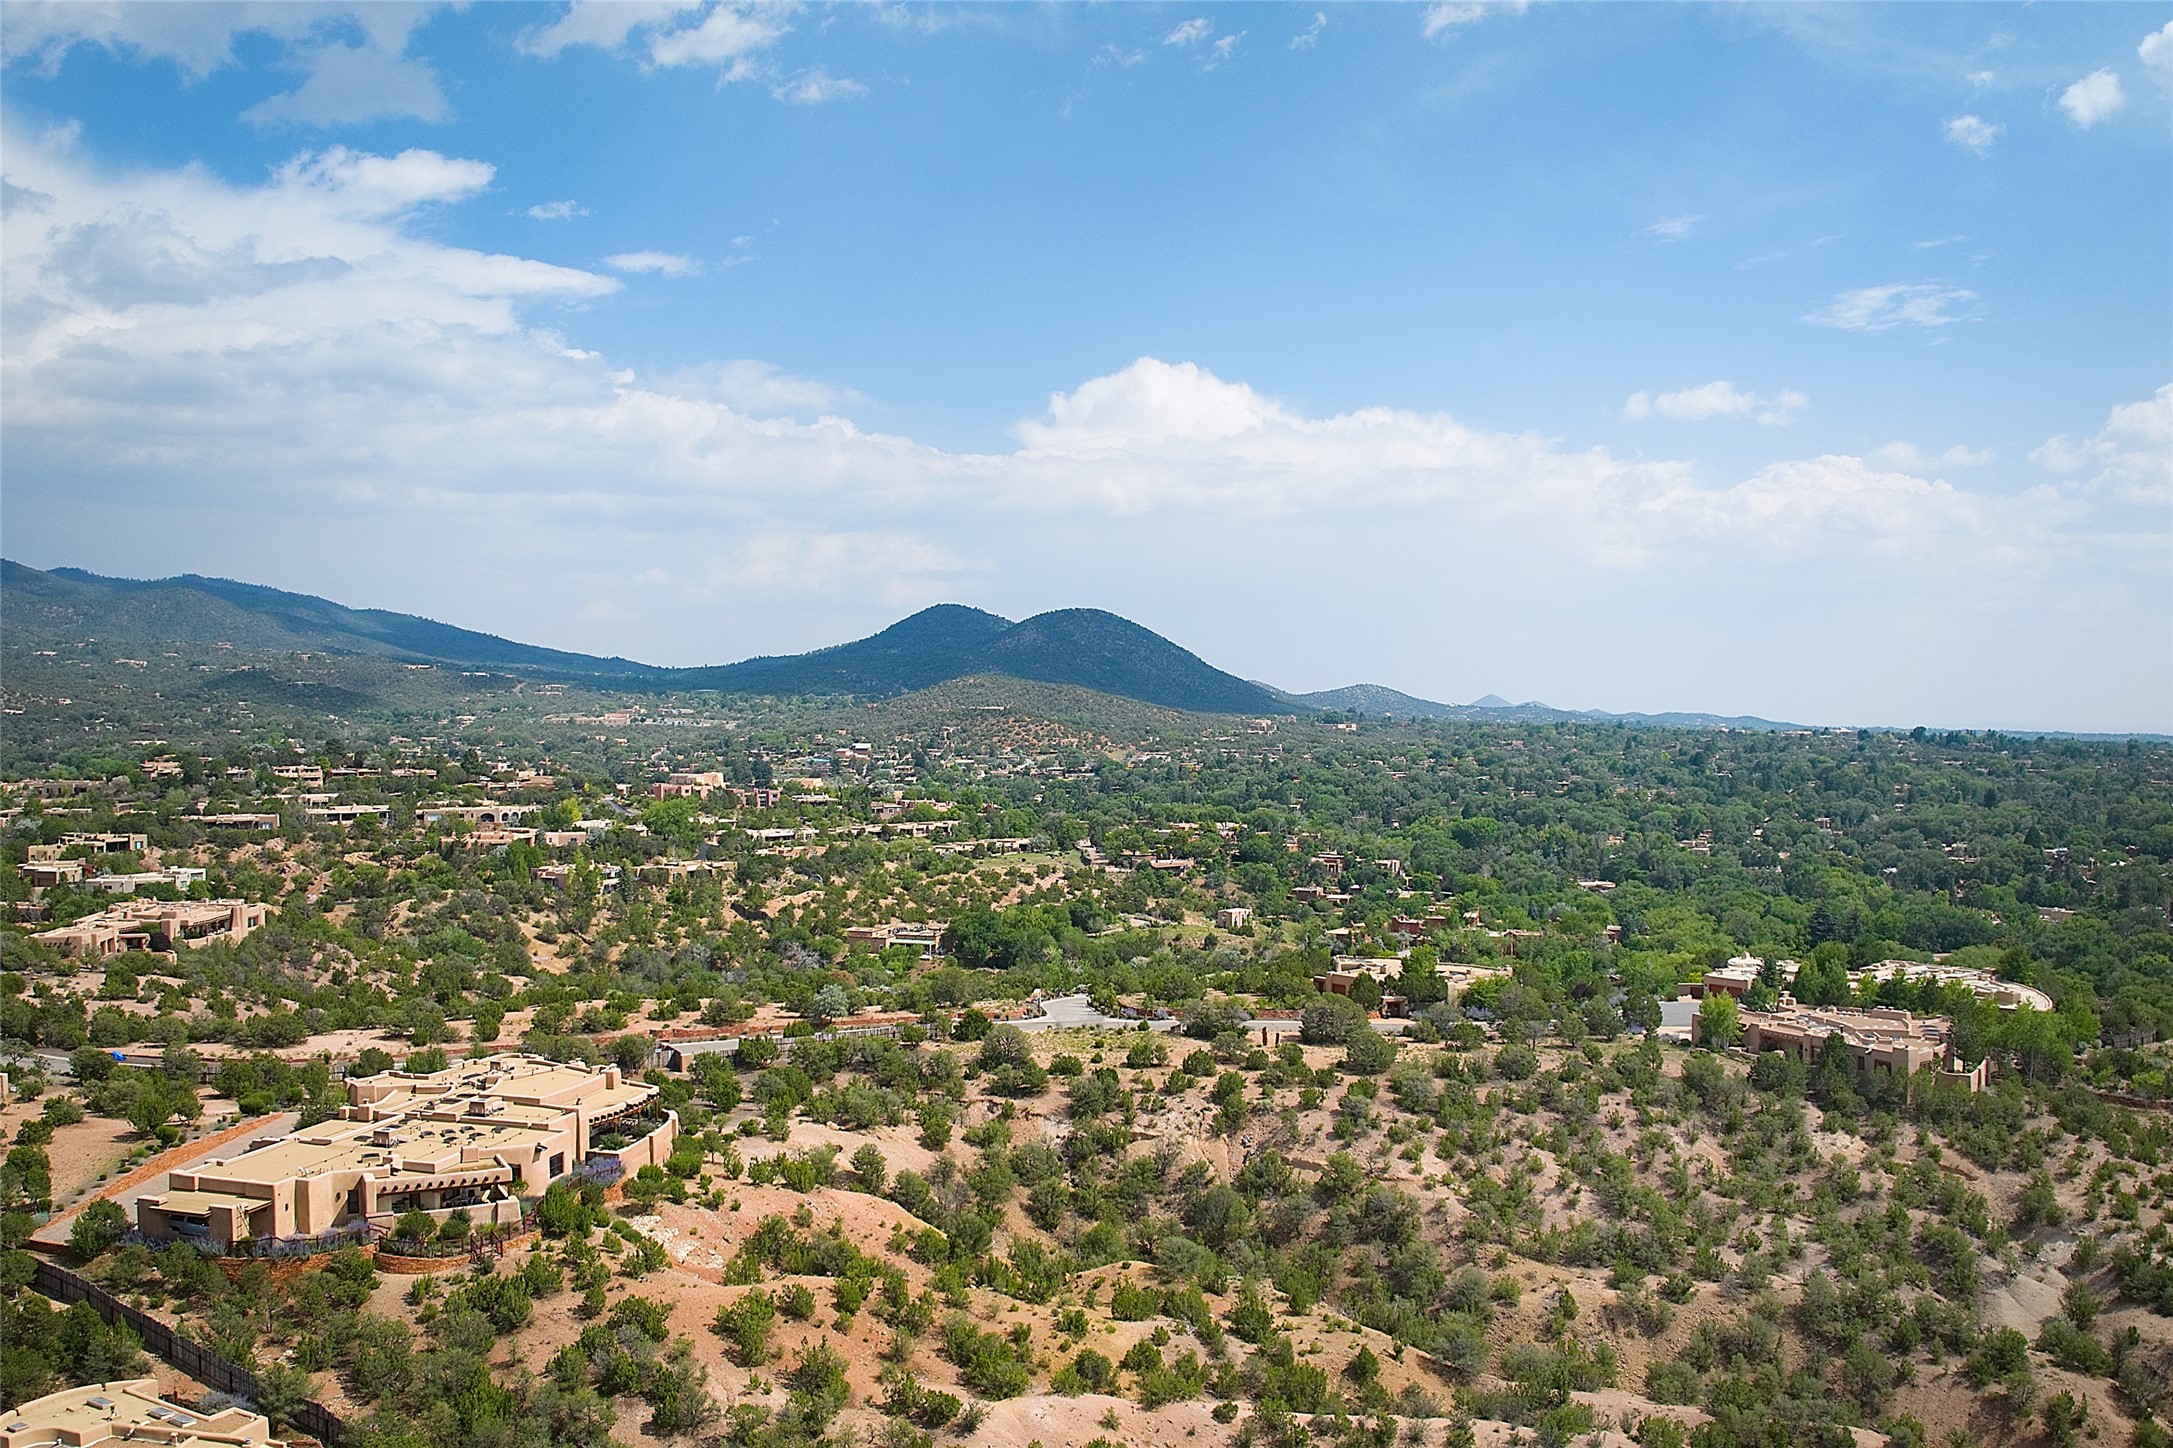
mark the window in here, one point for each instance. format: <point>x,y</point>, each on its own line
<point>558,1163</point>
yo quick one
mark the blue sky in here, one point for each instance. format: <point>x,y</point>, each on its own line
<point>1812,361</point>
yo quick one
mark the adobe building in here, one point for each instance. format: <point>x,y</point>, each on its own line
<point>477,1137</point>
<point>475,815</point>
<point>1878,1039</point>
<point>2008,995</point>
<point>97,1415</point>
<point>162,925</point>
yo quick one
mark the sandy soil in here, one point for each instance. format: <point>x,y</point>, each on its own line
<point>80,1154</point>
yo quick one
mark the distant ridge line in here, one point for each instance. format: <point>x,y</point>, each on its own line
<point>1084,648</point>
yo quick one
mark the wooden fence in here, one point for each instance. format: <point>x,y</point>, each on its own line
<point>193,1358</point>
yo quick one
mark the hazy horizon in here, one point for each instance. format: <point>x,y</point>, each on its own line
<point>1490,698</point>
<point>1813,363</point>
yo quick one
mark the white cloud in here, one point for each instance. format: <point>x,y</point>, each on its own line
<point>348,83</point>
<point>1982,79</point>
<point>2093,98</point>
<point>662,263</point>
<point>2156,53</point>
<point>1192,32</point>
<point>604,24</point>
<point>298,358</point>
<point>198,39</point>
<point>758,389</point>
<point>359,184</point>
<point>1224,48</point>
<point>1907,457</point>
<point>353,57</point>
<point>1717,399</point>
<point>2130,459</point>
<point>1974,133</point>
<point>671,34</point>
<point>556,210</point>
<point>726,37</point>
<point>815,86</point>
<point>1674,228</point>
<point>1914,304</point>
<point>796,562</point>
<point>1309,37</point>
<point>1446,17</point>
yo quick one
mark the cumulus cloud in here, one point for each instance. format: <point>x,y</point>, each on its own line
<point>603,24</point>
<point>1309,37</point>
<point>732,38</point>
<point>1716,399</point>
<point>354,83</point>
<point>2093,98</point>
<point>1674,228</point>
<point>197,39</point>
<point>1192,32</point>
<point>662,263</point>
<point>287,349</point>
<point>2156,53</point>
<point>1974,133</point>
<point>726,37</point>
<point>353,58</point>
<point>555,211</point>
<point>2130,459</point>
<point>1897,304</point>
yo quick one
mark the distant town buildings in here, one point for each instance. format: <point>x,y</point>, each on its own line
<point>1345,971</point>
<point>686,784</point>
<point>238,821</point>
<point>347,814</point>
<point>162,925</point>
<point>180,877</point>
<point>1741,973</point>
<point>2008,995</point>
<point>486,813</point>
<point>1877,1039</point>
<point>557,876</point>
<point>925,936</point>
<point>44,874</point>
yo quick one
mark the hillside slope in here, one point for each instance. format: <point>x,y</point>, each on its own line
<point>68,604</point>
<point>1084,648</point>
<point>931,646</point>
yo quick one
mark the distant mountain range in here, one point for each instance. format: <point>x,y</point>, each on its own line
<point>1081,647</point>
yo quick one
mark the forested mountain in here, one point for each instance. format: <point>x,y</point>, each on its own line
<point>1082,646</point>
<point>68,604</point>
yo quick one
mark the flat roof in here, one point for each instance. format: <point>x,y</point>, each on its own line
<point>448,1126</point>
<point>129,1410</point>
